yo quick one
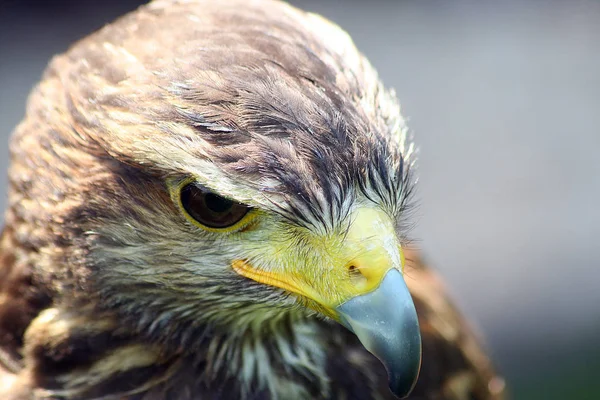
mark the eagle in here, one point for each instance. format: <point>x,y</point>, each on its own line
<point>211,200</point>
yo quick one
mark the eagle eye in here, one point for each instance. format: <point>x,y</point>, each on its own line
<point>210,209</point>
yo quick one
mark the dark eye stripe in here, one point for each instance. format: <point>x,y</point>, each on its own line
<point>210,209</point>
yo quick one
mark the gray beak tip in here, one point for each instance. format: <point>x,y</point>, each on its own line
<point>386,323</point>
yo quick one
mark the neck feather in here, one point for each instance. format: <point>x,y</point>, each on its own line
<point>86,354</point>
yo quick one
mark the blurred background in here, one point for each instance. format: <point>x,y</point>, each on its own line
<point>504,102</point>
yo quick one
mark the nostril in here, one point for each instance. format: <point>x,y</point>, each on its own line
<point>354,270</point>
<point>356,275</point>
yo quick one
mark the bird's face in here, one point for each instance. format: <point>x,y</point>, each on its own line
<point>185,258</point>
<point>319,269</point>
<point>228,264</point>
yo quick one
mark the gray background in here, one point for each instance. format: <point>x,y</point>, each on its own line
<point>504,101</point>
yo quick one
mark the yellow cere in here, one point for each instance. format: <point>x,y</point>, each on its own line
<point>326,271</point>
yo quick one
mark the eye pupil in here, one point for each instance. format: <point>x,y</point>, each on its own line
<point>209,209</point>
<point>216,203</point>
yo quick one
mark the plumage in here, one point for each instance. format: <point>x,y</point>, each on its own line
<point>106,288</point>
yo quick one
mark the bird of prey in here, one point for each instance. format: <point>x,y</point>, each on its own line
<point>208,200</point>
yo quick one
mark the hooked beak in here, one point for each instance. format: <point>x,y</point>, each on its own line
<point>385,321</point>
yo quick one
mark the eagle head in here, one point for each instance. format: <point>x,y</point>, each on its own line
<point>210,173</point>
